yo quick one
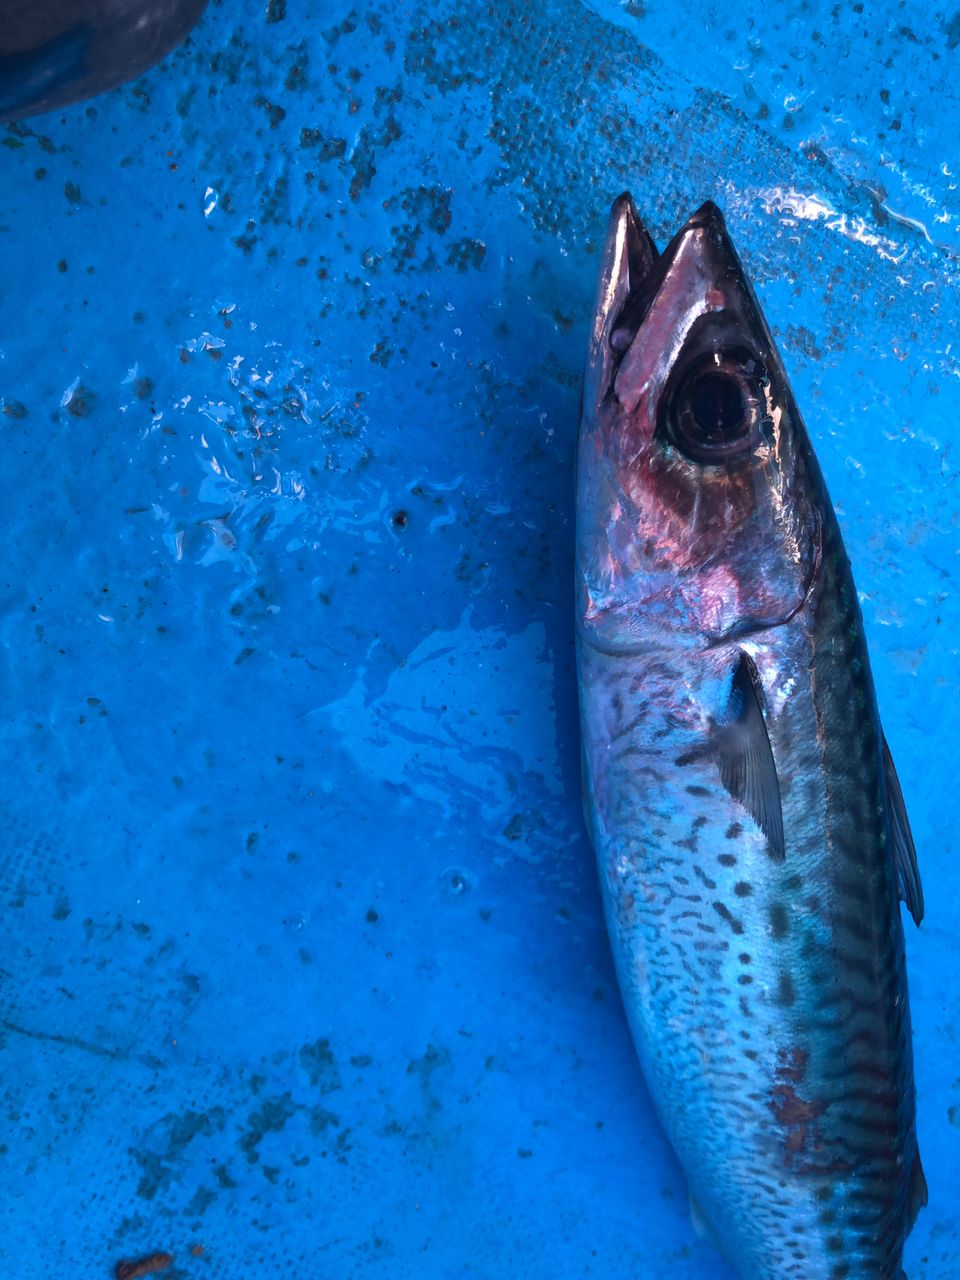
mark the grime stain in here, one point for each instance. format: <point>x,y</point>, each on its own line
<point>161,1167</point>
<point>81,402</point>
<point>270,1117</point>
<point>433,1060</point>
<point>466,254</point>
<point>320,1065</point>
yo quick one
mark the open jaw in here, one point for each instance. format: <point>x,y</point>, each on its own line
<point>633,272</point>
<point>645,267</point>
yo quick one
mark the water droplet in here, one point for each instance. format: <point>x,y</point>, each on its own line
<point>457,881</point>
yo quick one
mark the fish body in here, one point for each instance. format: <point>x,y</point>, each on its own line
<point>749,827</point>
<point>62,51</point>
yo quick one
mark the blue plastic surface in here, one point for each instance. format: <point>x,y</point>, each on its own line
<point>303,962</point>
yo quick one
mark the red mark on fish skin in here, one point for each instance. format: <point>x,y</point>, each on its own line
<point>792,1064</point>
<point>796,1116</point>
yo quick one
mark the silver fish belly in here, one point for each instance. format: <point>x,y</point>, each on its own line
<point>750,832</point>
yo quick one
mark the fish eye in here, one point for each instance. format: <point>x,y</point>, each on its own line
<point>717,407</point>
<point>714,410</point>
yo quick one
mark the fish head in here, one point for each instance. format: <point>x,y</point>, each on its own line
<point>699,498</point>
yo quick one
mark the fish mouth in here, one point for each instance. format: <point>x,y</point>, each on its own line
<point>708,216</point>
<point>641,247</point>
<point>698,269</point>
<point>644,267</point>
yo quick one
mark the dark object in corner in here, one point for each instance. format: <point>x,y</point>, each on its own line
<point>144,1266</point>
<point>62,51</point>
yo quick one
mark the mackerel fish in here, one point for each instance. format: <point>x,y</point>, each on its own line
<point>750,831</point>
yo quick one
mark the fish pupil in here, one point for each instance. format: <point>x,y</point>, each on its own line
<point>717,407</point>
<point>711,409</point>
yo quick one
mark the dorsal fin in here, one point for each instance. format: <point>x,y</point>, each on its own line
<point>904,853</point>
<point>747,767</point>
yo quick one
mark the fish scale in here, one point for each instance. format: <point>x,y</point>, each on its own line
<point>735,782</point>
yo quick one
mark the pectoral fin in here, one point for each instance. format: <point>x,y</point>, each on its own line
<point>904,853</point>
<point>747,767</point>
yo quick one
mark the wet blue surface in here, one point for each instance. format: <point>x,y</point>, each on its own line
<point>304,962</point>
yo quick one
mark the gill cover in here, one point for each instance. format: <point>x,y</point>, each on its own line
<point>697,514</point>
